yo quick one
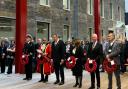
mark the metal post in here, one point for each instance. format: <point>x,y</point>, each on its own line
<point>97,17</point>
<point>21,26</point>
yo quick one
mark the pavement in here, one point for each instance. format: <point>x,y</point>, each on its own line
<point>15,81</point>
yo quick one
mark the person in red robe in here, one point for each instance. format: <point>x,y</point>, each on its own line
<point>44,65</point>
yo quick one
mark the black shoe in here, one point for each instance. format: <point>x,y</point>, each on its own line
<point>80,86</point>
<point>76,85</point>
<point>9,72</point>
<point>41,80</point>
<point>91,87</point>
<point>45,81</point>
<point>98,87</point>
<point>29,79</point>
<point>56,82</point>
<point>118,88</point>
<point>61,83</point>
<point>24,78</point>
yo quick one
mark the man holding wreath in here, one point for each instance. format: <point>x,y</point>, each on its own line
<point>95,53</point>
<point>112,51</point>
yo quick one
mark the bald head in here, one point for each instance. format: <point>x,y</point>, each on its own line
<point>94,37</point>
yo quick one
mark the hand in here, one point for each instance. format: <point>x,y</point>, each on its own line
<point>51,60</point>
<point>88,58</point>
<point>109,59</point>
<point>76,59</point>
<point>3,54</point>
<point>127,59</point>
<point>107,56</point>
<point>62,61</point>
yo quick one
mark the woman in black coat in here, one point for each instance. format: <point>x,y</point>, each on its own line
<point>78,69</point>
<point>2,56</point>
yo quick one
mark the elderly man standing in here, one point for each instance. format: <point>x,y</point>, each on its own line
<point>95,52</point>
<point>112,51</point>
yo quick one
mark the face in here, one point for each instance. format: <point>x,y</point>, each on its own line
<point>55,37</point>
<point>28,39</point>
<point>39,41</point>
<point>110,37</point>
<point>13,42</point>
<point>44,41</point>
<point>94,37</point>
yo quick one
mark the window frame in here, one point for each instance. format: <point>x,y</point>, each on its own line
<point>67,6</point>
<point>90,7</point>
<point>47,3</point>
<point>102,8</point>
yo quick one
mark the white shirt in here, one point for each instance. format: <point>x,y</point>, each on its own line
<point>94,44</point>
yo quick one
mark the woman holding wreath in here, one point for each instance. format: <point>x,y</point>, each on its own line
<point>77,70</point>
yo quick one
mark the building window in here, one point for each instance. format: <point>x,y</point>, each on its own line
<point>66,33</point>
<point>66,4</point>
<point>102,8</point>
<point>44,2</point>
<point>111,11</point>
<point>7,27</point>
<point>90,7</point>
<point>43,30</point>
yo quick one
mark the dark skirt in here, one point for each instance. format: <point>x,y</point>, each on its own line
<point>78,69</point>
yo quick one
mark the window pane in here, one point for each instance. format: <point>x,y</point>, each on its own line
<point>65,33</point>
<point>47,2</point>
<point>65,4</point>
<point>44,2</point>
<point>111,11</point>
<point>42,30</point>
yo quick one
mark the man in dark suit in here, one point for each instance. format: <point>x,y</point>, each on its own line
<point>112,52</point>
<point>29,49</point>
<point>95,52</point>
<point>58,52</point>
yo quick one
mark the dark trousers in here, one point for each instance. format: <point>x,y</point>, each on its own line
<point>78,80</point>
<point>59,71</point>
<point>123,67</point>
<point>97,73</point>
<point>28,69</point>
<point>43,78</point>
<point>10,63</point>
<point>117,75</point>
<point>2,65</point>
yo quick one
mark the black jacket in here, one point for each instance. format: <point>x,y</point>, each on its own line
<point>58,50</point>
<point>29,48</point>
<point>95,53</point>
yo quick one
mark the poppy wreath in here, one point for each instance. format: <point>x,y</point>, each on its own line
<point>70,62</point>
<point>91,68</point>
<point>24,59</point>
<point>108,67</point>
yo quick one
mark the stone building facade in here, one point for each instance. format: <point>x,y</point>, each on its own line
<point>68,18</point>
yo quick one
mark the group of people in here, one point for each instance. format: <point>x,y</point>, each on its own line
<point>52,55</point>
<point>7,55</point>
